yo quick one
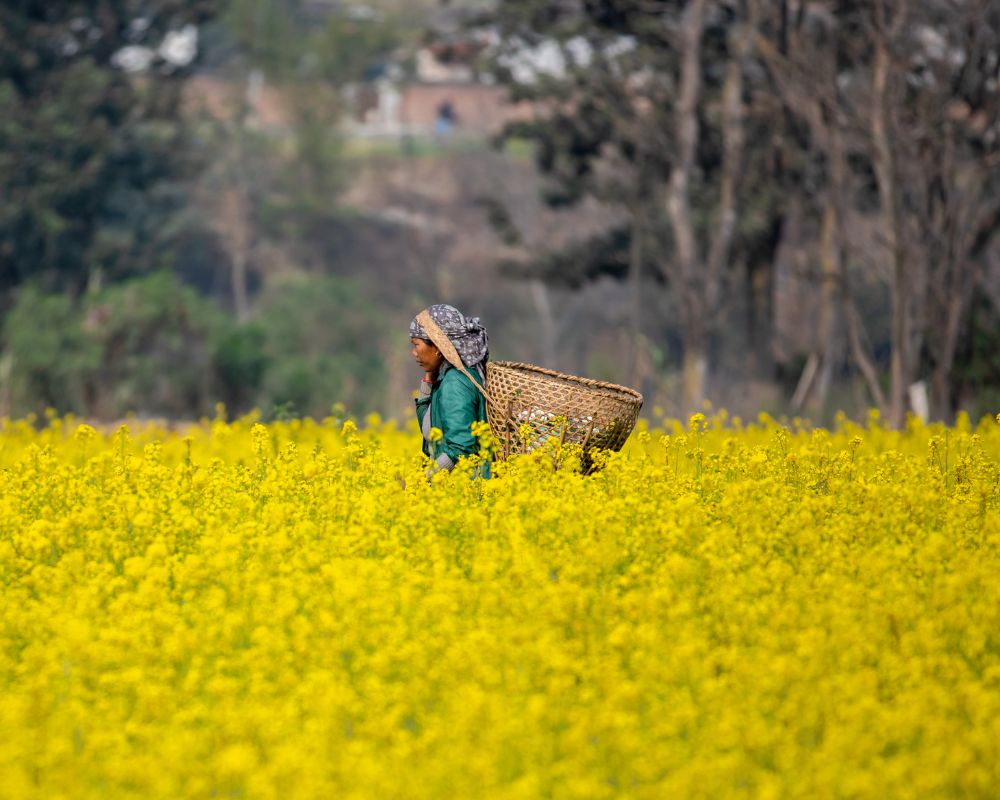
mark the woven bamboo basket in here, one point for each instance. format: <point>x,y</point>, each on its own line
<point>529,406</point>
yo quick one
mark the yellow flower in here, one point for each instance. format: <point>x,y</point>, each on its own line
<point>696,422</point>
<point>85,433</point>
<point>293,610</point>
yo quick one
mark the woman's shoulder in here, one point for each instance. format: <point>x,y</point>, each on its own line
<point>455,380</point>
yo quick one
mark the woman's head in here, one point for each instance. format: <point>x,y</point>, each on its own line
<point>465,333</point>
<point>426,354</point>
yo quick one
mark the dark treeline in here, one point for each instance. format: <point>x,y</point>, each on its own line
<point>791,206</point>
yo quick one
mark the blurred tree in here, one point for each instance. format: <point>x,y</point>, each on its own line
<point>647,106</point>
<point>275,194</point>
<point>264,34</point>
<point>801,52</point>
<point>156,339</point>
<point>144,345</point>
<point>324,344</point>
<point>287,42</point>
<point>91,156</point>
<point>709,120</point>
<point>48,359</point>
<point>909,92</point>
<point>941,105</point>
<point>346,49</point>
<point>152,345</point>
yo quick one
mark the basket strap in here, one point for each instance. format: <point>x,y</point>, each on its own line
<point>443,343</point>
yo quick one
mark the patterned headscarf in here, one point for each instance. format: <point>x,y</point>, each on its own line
<point>468,336</point>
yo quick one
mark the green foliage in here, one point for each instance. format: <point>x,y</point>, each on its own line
<point>89,158</point>
<point>139,345</point>
<point>347,49</point>
<point>323,341</point>
<point>155,346</point>
<point>94,169</point>
<point>298,178</point>
<point>280,38</point>
<point>156,340</point>
<point>240,363</point>
<point>264,31</point>
<point>297,185</point>
<point>50,357</point>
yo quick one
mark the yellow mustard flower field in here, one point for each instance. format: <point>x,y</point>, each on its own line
<point>294,610</point>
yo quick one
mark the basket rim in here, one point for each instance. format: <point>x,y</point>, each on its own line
<point>631,394</point>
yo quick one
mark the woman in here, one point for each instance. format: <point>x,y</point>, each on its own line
<point>448,400</point>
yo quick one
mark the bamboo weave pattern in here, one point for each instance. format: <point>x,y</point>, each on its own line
<point>530,405</point>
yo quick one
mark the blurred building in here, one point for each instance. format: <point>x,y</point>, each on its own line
<point>443,96</point>
<point>445,88</point>
<point>264,105</point>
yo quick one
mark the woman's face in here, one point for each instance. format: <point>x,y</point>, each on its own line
<point>426,354</point>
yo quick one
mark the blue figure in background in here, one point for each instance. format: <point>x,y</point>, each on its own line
<point>446,119</point>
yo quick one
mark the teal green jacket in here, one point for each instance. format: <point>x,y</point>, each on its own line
<point>454,404</point>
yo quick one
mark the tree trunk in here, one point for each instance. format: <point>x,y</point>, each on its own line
<point>814,386</point>
<point>686,125</point>
<point>636,341</point>
<point>859,351</point>
<point>830,284</point>
<point>240,301</point>
<point>6,385</point>
<point>760,318</point>
<point>732,155</point>
<point>885,174</point>
<point>941,377</point>
<point>233,223</point>
<point>800,70</point>
<point>546,321</point>
<point>688,278</point>
<point>694,375</point>
<point>953,231</point>
<point>806,379</point>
